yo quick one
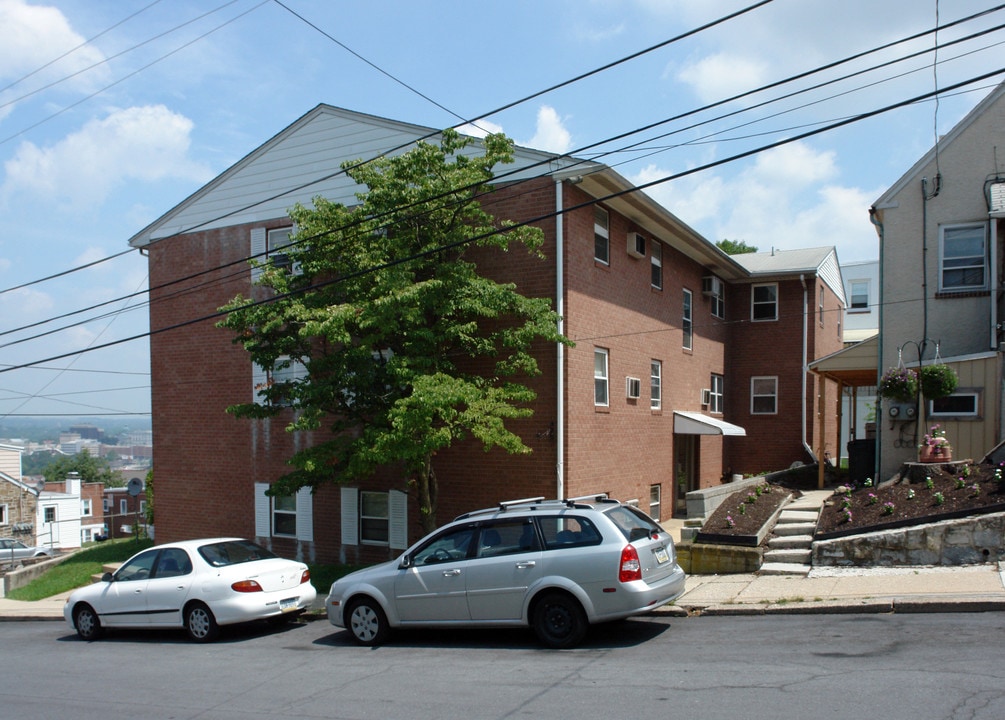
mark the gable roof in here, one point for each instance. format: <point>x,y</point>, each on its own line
<point>946,140</point>
<point>819,262</point>
<point>304,161</point>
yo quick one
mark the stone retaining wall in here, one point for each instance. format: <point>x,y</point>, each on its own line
<point>965,541</point>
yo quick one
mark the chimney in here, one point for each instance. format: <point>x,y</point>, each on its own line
<point>73,484</point>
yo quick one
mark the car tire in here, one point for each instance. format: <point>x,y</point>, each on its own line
<point>367,622</point>
<point>200,624</point>
<point>87,622</point>
<point>559,620</point>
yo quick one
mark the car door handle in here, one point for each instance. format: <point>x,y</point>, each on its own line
<point>524,564</point>
<point>448,573</point>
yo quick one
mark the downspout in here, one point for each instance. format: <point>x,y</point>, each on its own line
<point>560,348</point>
<point>879,342</point>
<point>806,310</point>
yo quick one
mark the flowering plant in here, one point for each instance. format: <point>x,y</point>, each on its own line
<point>936,439</point>
<point>899,383</point>
<point>937,381</point>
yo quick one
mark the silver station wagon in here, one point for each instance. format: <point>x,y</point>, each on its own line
<point>556,566</point>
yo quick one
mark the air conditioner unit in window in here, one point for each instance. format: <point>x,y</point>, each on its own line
<point>997,198</point>
<point>706,396</point>
<point>633,388</point>
<point>711,285</point>
<point>636,245</point>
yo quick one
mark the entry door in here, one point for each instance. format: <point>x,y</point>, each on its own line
<point>685,470</point>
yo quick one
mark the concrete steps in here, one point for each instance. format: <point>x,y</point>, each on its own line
<point>790,548</point>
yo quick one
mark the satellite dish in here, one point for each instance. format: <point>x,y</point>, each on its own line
<point>134,486</point>
<point>40,485</point>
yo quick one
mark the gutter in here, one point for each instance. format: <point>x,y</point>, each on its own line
<point>880,305</point>
<point>560,358</point>
<point>805,368</point>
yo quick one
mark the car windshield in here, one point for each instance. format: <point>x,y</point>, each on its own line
<point>628,518</point>
<point>232,552</point>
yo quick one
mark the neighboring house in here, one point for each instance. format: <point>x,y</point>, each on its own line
<point>941,236</point>
<point>123,510</point>
<point>92,516</point>
<point>679,348</point>
<point>861,322</point>
<point>18,499</point>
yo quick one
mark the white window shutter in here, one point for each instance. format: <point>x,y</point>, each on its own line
<point>259,378</point>
<point>350,516</point>
<point>305,515</point>
<point>262,511</point>
<point>258,248</point>
<point>397,517</point>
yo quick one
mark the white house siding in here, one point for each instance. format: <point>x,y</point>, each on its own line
<point>64,533</point>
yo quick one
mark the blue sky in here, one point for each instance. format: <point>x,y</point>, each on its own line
<point>113,111</point>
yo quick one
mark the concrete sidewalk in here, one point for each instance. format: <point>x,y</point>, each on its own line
<point>974,588</point>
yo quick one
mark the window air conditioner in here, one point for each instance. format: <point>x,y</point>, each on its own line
<point>711,285</point>
<point>633,388</point>
<point>636,245</point>
<point>706,396</point>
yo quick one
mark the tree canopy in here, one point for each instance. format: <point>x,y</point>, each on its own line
<point>90,468</point>
<point>382,328</point>
<point>735,247</point>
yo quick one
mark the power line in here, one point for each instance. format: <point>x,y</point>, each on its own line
<point>539,218</point>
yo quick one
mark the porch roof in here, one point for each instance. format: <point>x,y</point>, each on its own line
<point>855,365</point>
<point>692,423</point>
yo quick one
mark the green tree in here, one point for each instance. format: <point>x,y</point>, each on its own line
<point>148,490</point>
<point>735,247</point>
<point>89,467</point>
<point>386,332</point>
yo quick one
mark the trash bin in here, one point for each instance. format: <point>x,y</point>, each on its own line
<point>861,459</point>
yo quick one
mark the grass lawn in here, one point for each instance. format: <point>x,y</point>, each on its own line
<point>78,569</point>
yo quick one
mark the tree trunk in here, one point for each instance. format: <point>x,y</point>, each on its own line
<point>428,492</point>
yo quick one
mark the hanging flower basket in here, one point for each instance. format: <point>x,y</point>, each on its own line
<point>899,384</point>
<point>938,381</point>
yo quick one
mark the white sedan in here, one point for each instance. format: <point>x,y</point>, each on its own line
<point>197,585</point>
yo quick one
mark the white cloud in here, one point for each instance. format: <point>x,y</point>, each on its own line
<point>551,134</point>
<point>35,36</point>
<point>787,198</point>
<point>480,128</point>
<point>25,305</point>
<point>141,143</point>
<point>722,75</point>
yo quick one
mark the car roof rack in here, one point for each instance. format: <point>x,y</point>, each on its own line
<point>532,503</point>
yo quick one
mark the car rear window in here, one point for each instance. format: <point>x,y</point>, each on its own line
<point>232,552</point>
<point>627,518</point>
<point>561,531</point>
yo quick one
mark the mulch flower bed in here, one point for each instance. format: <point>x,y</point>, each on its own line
<point>745,512</point>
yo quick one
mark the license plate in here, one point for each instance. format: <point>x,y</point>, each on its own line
<point>288,604</point>
<point>661,555</point>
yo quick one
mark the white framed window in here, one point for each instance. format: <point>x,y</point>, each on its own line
<point>49,514</point>
<point>964,403</point>
<point>655,495</point>
<point>600,377</point>
<point>367,516</point>
<point>715,393</point>
<point>655,384</point>
<point>601,235</point>
<point>85,507</point>
<point>763,395</point>
<point>820,307</point>
<point>123,507</point>
<point>764,302</point>
<point>687,321</point>
<point>284,515</point>
<point>286,370</point>
<point>718,299</point>
<point>656,260</point>
<point>859,294</point>
<point>963,257</point>
<point>4,517</point>
<point>106,505</point>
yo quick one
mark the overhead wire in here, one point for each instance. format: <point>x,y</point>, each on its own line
<point>539,218</point>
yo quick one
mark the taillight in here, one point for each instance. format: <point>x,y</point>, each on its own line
<point>305,576</point>
<point>631,568</point>
<point>246,586</point>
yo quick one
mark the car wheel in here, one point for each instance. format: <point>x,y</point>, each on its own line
<point>200,624</point>
<point>367,622</point>
<point>87,623</point>
<point>559,621</point>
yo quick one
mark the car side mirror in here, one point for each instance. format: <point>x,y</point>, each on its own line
<point>107,577</point>
<point>406,562</point>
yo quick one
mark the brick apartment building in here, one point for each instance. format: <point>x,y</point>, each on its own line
<point>688,364</point>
